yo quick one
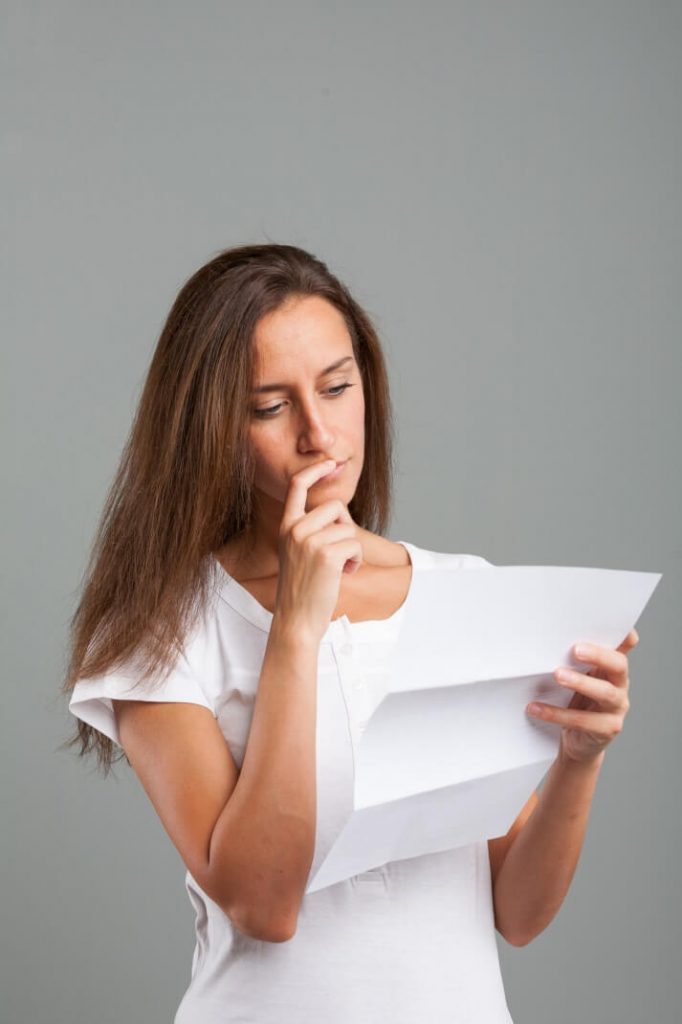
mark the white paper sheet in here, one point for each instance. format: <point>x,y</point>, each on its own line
<point>450,755</point>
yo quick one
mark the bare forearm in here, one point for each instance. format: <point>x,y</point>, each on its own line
<point>539,866</point>
<point>263,843</point>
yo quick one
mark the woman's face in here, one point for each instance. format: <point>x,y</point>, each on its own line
<point>304,407</point>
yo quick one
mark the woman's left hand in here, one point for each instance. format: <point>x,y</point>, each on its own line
<point>598,707</point>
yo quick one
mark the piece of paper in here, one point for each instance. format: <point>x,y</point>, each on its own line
<point>450,755</point>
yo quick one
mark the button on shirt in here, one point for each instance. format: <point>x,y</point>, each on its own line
<point>409,942</point>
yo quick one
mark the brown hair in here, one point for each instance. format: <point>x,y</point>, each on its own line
<point>183,485</point>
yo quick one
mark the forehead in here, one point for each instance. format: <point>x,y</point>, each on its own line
<point>307,332</point>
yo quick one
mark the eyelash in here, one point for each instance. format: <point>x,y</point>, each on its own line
<point>273,409</point>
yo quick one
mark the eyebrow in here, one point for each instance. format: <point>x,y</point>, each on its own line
<point>281,387</point>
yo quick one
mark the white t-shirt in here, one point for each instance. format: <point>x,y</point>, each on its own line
<point>410,942</point>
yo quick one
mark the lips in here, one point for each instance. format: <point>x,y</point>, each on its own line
<point>334,472</point>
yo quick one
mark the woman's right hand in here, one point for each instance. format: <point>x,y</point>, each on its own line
<point>314,549</point>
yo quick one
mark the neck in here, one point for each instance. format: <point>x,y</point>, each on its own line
<point>258,544</point>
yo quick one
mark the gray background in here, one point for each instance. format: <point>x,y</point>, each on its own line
<point>499,185</point>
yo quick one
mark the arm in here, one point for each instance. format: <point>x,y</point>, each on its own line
<point>246,837</point>
<point>533,866</point>
<point>262,844</point>
<point>538,866</point>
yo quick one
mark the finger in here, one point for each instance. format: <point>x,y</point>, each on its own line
<point>630,641</point>
<point>613,662</point>
<point>598,722</point>
<point>297,492</point>
<point>327,514</point>
<point>600,690</point>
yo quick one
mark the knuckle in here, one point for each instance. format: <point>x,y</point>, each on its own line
<point>310,543</point>
<point>297,533</point>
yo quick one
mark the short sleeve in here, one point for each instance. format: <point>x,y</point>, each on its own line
<point>91,697</point>
<point>479,562</point>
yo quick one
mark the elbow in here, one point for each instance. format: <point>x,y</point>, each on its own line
<point>272,929</point>
<point>512,936</point>
<point>517,940</point>
<point>259,908</point>
<point>280,931</point>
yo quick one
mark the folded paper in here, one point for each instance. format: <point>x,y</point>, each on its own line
<point>450,755</point>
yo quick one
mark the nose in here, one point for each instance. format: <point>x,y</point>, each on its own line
<point>314,432</point>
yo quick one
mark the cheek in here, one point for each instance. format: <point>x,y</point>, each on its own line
<point>267,453</point>
<point>355,411</point>
<point>360,419</point>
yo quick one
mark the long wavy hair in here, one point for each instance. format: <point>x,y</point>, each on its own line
<point>183,487</point>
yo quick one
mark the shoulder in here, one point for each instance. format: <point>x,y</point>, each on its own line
<point>431,558</point>
<point>383,551</point>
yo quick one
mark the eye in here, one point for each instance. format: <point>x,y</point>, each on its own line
<point>272,410</point>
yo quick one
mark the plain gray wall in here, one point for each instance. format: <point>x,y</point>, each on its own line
<point>499,185</point>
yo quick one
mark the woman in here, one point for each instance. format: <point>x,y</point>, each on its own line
<point>242,555</point>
